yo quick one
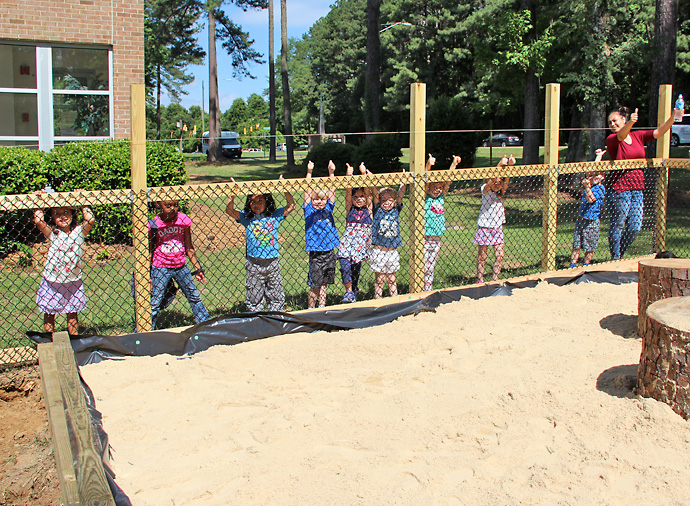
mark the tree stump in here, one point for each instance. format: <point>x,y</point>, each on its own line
<point>664,370</point>
<point>660,278</point>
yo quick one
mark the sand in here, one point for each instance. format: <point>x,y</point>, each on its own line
<point>502,401</point>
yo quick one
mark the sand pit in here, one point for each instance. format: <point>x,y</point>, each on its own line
<point>501,401</point>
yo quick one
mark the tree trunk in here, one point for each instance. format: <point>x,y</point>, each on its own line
<point>575,151</point>
<point>531,139</point>
<point>664,51</point>
<point>597,135</point>
<point>271,85</point>
<point>287,110</point>
<point>158,101</point>
<point>214,152</point>
<point>372,88</point>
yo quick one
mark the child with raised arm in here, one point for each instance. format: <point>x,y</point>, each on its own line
<point>261,220</point>
<point>61,290</point>
<point>434,220</point>
<point>321,237</point>
<point>355,241</point>
<point>384,259</point>
<point>492,216</point>
<point>173,246</point>
<point>586,234</point>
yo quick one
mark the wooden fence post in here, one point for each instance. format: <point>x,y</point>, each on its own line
<point>140,233</point>
<point>663,150</point>
<point>550,207</point>
<point>417,158</point>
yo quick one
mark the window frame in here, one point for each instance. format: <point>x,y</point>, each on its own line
<point>45,94</point>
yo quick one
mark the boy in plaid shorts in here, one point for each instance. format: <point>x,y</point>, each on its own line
<point>587,225</point>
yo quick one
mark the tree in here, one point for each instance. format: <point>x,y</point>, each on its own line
<point>271,84</point>
<point>372,82</point>
<point>239,47</point>
<point>236,115</point>
<point>287,112</point>
<point>664,47</point>
<point>170,47</point>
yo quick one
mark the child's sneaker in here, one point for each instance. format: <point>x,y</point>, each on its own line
<point>573,265</point>
<point>349,297</point>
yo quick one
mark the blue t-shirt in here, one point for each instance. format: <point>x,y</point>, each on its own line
<point>320,233</point>
<point>262,233</point>
<point>591,211</point>
<point>386,228</point>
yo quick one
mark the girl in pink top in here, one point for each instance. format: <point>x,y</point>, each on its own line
<point>170,237</point>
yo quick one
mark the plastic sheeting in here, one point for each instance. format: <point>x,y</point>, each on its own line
<point>244,327</point>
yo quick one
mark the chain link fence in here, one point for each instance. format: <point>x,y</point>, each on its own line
<point>541,207</point>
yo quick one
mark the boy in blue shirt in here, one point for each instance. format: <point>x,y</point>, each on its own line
<point>587,225</point>
<point>321,238</point>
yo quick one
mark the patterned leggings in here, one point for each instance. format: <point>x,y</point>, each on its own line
<point>432,246</point>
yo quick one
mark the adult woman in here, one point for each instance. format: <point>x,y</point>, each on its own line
<point>624,187</point>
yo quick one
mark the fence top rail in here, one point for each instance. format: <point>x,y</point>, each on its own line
<point>65,199</point>
<point>125,196</point>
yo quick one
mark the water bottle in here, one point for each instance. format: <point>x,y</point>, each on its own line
<point>680,109</point>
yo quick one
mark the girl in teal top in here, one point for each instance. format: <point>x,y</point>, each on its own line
<point>434,221</point>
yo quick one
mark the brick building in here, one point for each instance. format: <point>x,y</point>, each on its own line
<point>67,66</point>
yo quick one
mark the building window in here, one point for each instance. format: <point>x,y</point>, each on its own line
<point>55,94</point>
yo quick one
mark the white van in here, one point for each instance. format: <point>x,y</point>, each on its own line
<point>229,144</point>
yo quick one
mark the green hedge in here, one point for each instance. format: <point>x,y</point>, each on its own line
<point>98,165</point>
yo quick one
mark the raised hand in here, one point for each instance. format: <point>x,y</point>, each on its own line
<point>331,167</point>
<point>363,168</point>
<point>634,116</point>
<point>349,169</point>
<point>431,160</point>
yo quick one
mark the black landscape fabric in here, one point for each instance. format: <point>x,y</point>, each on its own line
<point>243,327</point>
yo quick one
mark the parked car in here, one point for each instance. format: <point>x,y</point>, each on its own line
<point>229,144</point>
<point>282,147</point>
<point>503,139</point>
<point>680,132</point>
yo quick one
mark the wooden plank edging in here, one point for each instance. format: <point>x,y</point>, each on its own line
<point>70,424</point>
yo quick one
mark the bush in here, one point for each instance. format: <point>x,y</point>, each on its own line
<point>340,152</point>
<point>99,165</point>
<point>446,113</point>
<point>380,153</point>
<point>22,170</point>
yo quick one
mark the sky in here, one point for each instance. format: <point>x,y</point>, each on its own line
<point>301,15</point>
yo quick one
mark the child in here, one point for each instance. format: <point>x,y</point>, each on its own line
<point>492,216</point>
<point>384,258</point>
<point>587,225</point>
<point>62,290</point>
<point>355,242</point>
<point>321,237</point>
<point>434,221</point>
<point>261,220</point>
<point>173,241</point>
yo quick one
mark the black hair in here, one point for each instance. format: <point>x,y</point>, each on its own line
<point>357,189</point>
<point>48,217</point>
<point>665,254</point>
<point>270,205</point>
<point>623,111</point>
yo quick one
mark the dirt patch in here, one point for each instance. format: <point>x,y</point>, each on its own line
<point>214,230</point>
<point>27,466</point>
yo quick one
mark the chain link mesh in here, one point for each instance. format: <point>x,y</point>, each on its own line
<point>536,195</point>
